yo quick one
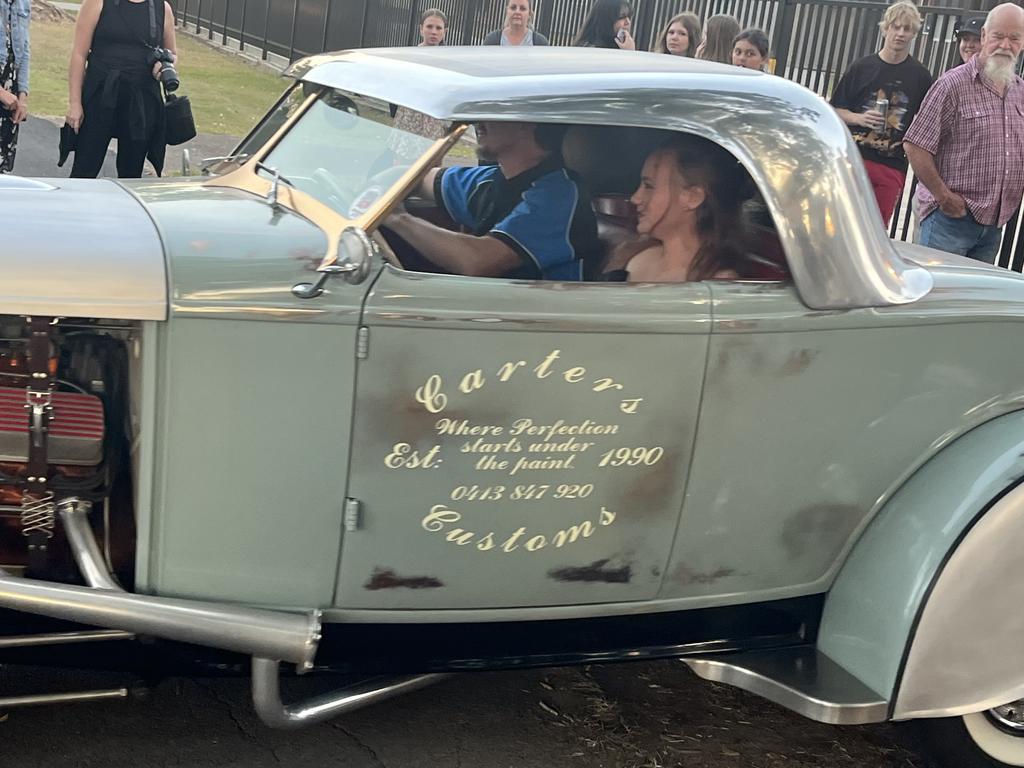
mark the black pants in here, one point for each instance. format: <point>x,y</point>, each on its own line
<point>103,123</point>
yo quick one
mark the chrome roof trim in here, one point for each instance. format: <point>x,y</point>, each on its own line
<point>791,141</point>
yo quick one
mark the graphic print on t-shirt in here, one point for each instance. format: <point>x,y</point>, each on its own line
<point>887,140</point>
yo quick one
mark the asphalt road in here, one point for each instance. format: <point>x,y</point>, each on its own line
<point>38,139</point>
<point>643,715</point>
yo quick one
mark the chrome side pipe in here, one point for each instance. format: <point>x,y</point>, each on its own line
<point>74,515</point>
<point>252,631</point>
<point>266,696</point>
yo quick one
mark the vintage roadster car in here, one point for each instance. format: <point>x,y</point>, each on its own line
<point>240,424</point>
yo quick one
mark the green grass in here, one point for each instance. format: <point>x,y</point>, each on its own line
<point>228,94</point>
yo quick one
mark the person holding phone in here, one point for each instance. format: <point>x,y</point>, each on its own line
<point>607,25</point>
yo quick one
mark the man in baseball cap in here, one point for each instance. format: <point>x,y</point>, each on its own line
<point>968,32</point>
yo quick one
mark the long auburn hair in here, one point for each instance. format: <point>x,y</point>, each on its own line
<point>597,30</point>
<point>692,25</point>
<point>719,33</point>
<point>726,185</point>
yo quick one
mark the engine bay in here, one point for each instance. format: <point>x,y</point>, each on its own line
<point>64,432</point>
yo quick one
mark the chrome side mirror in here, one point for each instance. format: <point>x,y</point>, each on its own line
<point>355,254</point>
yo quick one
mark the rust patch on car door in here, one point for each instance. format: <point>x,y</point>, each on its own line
<point>386,578</point>
<point>597,571</point>
<point>684,574</point>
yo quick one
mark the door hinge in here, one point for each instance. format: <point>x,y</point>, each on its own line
<point>353,515</point>
<point>362,343</point>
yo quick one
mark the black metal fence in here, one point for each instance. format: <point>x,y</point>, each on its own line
<point>819,36</point>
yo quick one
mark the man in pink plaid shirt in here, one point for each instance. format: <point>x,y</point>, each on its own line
<point>966,144</point>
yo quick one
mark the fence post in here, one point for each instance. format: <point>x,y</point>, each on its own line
<point>362,23</point>
<point>468,22</point>
<point>786,21</point>
<point>547,12</point>
<point>241,26</point>
<point>224,29</point>
<point>291,36</point>
<point>414,13</point>
<point>327,21</point>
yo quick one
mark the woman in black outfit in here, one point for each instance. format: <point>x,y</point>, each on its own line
<point>113,89</point>
<point>607,26</point>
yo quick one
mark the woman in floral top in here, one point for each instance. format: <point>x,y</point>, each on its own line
<point>14,18</point>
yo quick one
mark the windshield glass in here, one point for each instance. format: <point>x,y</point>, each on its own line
<point>346,150</point>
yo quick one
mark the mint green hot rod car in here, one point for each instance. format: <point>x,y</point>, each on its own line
<point>240,423</point>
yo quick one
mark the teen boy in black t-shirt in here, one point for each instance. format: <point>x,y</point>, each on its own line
<point>878,96</point>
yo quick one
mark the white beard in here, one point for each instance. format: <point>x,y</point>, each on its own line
<point>1000,70</point>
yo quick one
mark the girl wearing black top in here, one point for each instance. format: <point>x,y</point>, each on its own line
<point>113,90</point>
<point>607,26</point>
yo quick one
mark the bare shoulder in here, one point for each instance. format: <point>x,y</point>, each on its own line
<point>89,12</point>
<point>644,265</point>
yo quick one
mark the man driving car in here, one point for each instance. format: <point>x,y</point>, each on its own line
<point>526,217</point>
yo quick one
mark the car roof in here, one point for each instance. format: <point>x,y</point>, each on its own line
<point>789,139</point>
<point>451,82</point>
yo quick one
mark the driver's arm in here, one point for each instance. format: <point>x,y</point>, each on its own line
<point>425,189</point>
<point>458,253</point>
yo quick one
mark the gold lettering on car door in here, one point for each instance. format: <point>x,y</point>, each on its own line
<point>522,461</point>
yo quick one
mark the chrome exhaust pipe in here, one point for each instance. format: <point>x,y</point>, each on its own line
<point>276,635</point>
<point>266,696</point>
<point>252,631</point>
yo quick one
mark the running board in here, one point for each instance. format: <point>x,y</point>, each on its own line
<point>801,679</point>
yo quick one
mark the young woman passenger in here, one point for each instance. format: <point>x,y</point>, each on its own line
<point>433,25</point>
<point>689,206</point>
<point>750,49</point>
<point>607,26</point>
<point>719,33</point>
<point>518,29</point>
<point>681,35</point>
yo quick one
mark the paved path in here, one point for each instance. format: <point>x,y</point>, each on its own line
<point>37,151</point>
<point>39,137</point>
<point>642,715</point>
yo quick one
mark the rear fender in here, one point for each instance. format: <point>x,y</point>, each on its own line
<point>891,606</point>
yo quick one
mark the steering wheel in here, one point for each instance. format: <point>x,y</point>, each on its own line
<point>386,252</point>
<point>335,193</point>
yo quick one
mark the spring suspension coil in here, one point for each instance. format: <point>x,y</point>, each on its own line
<point>38,514</point>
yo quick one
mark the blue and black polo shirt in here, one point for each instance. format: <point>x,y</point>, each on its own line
<point>543,214</point>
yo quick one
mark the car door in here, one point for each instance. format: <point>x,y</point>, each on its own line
<point>519,443</point>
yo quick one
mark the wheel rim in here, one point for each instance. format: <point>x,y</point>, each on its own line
<point>1009,717</point>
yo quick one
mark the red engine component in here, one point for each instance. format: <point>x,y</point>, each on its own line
<point>74,450</point>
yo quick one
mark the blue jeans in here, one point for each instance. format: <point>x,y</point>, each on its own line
<point>964,236</point>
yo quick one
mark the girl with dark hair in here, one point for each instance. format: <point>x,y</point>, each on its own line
<point>681,35</point>
<point>750,49</point>
<point>689,206</point>
<point>719,33</point>
<point>607,26</point>
<point>433,25</point>
<point>518,29</point>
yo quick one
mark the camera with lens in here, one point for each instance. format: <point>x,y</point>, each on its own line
<point>168,74</point>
